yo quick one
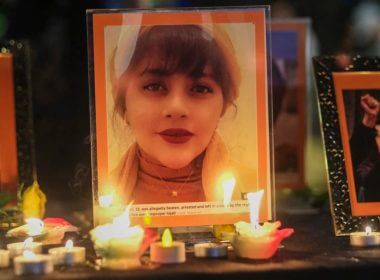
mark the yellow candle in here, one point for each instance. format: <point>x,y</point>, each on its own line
<point>167,251</point>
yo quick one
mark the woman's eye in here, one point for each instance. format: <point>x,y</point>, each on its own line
<point>155,87</point>
<point>202,89</point>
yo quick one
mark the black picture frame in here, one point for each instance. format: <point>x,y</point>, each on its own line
<point>20,51</point>
<point>327,69</point>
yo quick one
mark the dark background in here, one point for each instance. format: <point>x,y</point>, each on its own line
<point>56,31</point>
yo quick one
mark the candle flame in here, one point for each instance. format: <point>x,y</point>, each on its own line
<point>28,254</point>
<point>368,230</point>
<point>167,240</point>
<point>69,244</point>
<point>254,200</point>
<point>34,226</point>
<point>147,219</point>
<point>228,185</point>
<point>28,242</point>
<point>105,201</point>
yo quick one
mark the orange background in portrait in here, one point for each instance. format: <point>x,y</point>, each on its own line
<point>8,145</point>
<point>299,27</point>
<point>100,21</point>
<point>354,81</point>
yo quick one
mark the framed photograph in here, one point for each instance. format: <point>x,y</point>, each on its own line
<point>290,44</point>
<point>17,162</point>
<point>349,103</point>
<point>179,111</point>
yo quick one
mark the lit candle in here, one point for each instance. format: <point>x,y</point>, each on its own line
<point>228,186</point>
<point>16,249</point>
<point>68,255</point>
<point>210,250</point>
<point>4,258</point>
<point>167,251</point>
<point>118,243</point>
<point>227,182</point>
<point>365,239</point>
<point>108,207</point>
<point>32,227</point>
<point>30,263</point>
<point>254,241</point>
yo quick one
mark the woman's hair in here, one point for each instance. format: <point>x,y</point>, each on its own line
<point>186,49</point>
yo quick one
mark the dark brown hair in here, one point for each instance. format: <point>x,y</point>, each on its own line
<point>184,49</point>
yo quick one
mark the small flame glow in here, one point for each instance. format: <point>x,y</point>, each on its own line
<point>27,243</point>
<point>105,201</point>
<point>167,239</point>
<point>69,244</point>
<point>34,226</point>
<point>228,185</point>
<point>119,228</point>
<point>147,219</point>
<point>368,230</point>
<point>28,254</point>
<point>254,200</point>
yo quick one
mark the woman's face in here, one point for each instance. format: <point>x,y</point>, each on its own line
<point>172,116</point>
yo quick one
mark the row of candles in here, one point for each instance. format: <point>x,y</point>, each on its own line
<point>121,245</point>
<point>27,257</point>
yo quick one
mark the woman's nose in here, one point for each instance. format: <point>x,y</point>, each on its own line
<point>176,105</point>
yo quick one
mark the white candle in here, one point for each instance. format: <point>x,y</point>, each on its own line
<point>29,263</point>
<point>16,249</point>
<point>254,241</point>
<point>118,243</point>
<point>365,239</point>
<point>167,251</point>
<point>4,258</point>
<point>68,255</point>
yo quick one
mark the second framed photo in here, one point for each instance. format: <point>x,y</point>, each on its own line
<point>180,123</point>
<point>290,46</point>
<point>349,100</point>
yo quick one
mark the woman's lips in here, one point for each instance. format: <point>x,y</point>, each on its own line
<point>176,135</point>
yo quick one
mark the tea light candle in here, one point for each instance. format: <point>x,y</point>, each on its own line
<point>118,243</point>
<point>167,251</point>
<point>4,258</point>
<point>16,249</point>
<point>210,250</point>
<point>68,255</point>
<point>365,239</point>
<point>253,241</point>
<point>30,263</point>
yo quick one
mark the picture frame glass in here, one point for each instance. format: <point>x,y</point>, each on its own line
<point>178,99</point>
<point>290,46</point>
